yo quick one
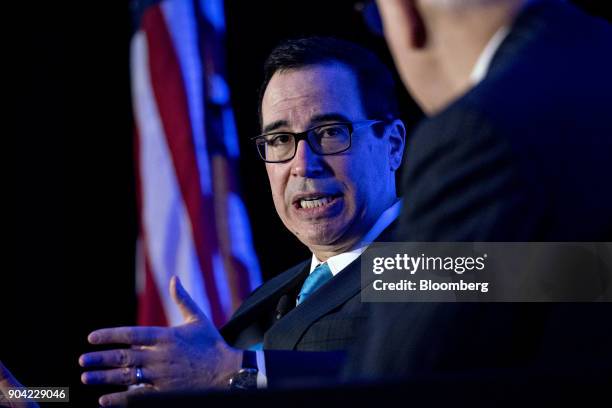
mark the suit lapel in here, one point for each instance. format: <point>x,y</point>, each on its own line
<point>266,297</point>
<point>524,29</point>
<point>286,333</point>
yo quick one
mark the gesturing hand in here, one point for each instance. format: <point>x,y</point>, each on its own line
<point>189,357</point>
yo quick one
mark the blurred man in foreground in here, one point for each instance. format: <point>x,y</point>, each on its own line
<point>517,147</point>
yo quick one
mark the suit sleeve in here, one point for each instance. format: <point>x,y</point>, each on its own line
<point>463,182</point>
<point>299,368</point>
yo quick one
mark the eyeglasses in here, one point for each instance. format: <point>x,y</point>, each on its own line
<point>331,138</point>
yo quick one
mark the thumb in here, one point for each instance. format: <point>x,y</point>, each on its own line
<point>189,309</point>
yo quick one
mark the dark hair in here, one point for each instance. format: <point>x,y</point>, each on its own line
<point>375,81</point>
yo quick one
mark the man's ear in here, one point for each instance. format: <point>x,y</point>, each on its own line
<point>396,132</point>
<point>402,18</point>
<point>418,34</point>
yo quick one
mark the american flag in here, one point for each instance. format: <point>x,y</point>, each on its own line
<point>193,222</point>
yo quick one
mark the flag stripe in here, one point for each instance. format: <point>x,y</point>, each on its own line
<point>181,22</point>
<point>151,309</point>
<point>192,219</point>
<point>166,229</point>
<point>168,88</point>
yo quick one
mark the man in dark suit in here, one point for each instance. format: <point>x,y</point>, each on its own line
<point>517,147</point>
<point>331,200</point>
<point>332,143</point>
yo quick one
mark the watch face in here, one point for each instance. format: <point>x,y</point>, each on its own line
<point>245,379</point>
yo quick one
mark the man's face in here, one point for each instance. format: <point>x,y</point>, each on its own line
<point>328,202</point>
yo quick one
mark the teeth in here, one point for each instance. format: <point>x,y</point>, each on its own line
<point>316,202</point>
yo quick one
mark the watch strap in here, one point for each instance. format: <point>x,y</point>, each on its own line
<point>249,359</point>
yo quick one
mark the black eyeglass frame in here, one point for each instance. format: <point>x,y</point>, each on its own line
<point>352,126</point>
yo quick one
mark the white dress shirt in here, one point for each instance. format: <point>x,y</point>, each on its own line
<point>338,262</point>
<point>481,67</point>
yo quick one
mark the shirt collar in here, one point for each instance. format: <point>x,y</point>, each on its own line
<point>481,67</point>
<point>338,262</point>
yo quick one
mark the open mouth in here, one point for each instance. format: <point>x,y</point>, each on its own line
<point>315,201</point>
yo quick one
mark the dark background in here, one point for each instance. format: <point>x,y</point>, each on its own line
<point>71,269</point>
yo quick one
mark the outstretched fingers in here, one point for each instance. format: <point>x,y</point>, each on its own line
<point>120,399</point>
<point>143,336</point>
<point>113,358</point>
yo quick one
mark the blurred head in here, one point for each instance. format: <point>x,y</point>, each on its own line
<point>330,201</point>
<point>435,43</point>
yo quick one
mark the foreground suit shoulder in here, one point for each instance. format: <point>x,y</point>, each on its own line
<point>523,155</point>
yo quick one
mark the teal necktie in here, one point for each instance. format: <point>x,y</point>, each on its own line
<point>314,281</point>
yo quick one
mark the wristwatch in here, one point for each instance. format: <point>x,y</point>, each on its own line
<point>246,377</point>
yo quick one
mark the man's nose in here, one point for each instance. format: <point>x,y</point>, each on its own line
<point>306,163</point>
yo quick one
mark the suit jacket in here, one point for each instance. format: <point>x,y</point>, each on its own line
<point>524,156</point>
<point>309,340</point>
<point>326,321</point>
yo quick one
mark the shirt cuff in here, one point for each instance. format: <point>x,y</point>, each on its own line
<point>262,379</point>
